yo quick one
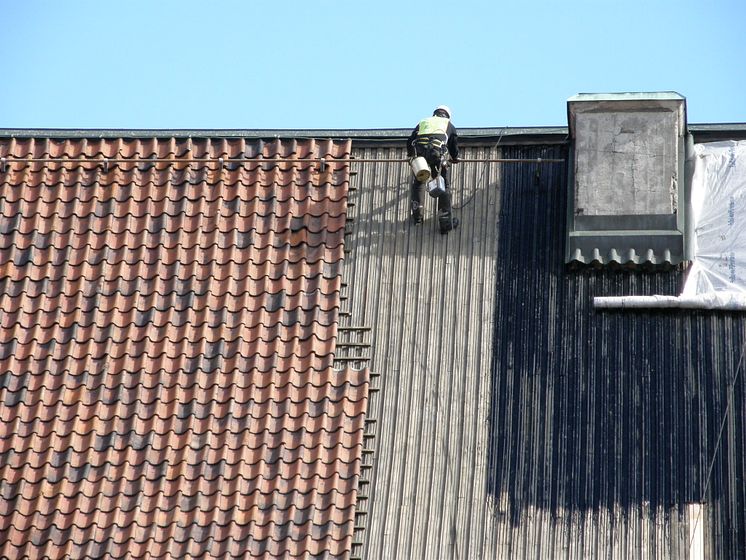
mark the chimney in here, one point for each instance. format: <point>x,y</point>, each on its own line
<point>626,205</point>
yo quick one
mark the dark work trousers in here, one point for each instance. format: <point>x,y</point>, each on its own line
<point>433,158</point>
<point>417,191</point>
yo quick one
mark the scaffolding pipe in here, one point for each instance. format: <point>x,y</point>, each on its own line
<point>726,301</point>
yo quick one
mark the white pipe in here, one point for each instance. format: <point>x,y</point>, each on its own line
<point>728,301</point>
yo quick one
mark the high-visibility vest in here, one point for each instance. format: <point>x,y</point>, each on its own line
<point>432,126</point>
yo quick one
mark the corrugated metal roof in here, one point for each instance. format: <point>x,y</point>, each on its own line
<point>513,420</point>
<point>428,300</point>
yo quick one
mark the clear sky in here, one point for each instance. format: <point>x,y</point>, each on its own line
<point>353,64</point>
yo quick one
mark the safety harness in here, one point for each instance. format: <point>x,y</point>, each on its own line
<point>432,139</point>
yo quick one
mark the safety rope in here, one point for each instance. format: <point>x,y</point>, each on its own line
<point>730,387</point>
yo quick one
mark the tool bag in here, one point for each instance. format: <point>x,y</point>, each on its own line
<point>436,187</point>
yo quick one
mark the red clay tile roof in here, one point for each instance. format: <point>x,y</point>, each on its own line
<point>167,334</point>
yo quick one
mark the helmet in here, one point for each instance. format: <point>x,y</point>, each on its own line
<point>443,108</point>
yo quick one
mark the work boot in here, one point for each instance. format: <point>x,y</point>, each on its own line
<point>447,223</point>
<point>417,213</point>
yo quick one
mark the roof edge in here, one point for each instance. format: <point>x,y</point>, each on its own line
<point>627,96</point>
<point>364,134</point>
<point>507,135</point>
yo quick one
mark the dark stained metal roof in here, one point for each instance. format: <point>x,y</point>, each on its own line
<point>603,425</point>
<point>512,419</point>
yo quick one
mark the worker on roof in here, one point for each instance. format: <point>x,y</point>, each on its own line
<point>434,138</point>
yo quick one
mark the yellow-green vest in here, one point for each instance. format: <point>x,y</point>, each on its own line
<point>433,125</point>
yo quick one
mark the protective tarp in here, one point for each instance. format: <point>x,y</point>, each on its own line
<point>719,218</point>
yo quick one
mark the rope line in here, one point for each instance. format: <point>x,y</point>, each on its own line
<point>731,386</point>
<point>481,178</point>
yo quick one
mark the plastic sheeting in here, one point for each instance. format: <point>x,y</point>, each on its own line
<point>717,278</point>
<point>719,217</point>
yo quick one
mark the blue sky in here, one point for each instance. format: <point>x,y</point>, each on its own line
<point>351,64</point>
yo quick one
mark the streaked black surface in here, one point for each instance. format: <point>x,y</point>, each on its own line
<point>597,409</point>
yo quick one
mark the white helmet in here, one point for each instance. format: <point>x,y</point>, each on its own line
<point>443,108</point>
